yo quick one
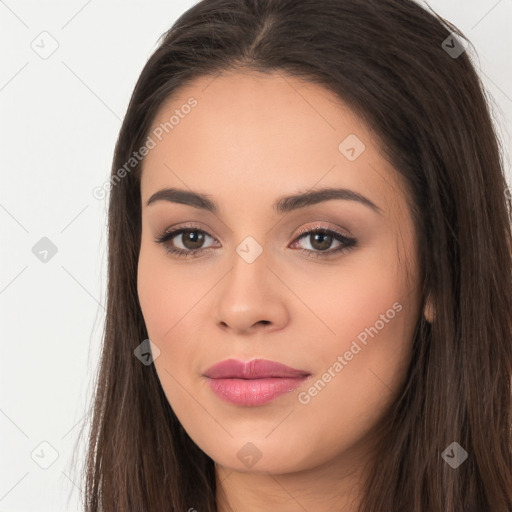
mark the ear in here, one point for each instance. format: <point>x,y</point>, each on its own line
<point>429,312</point>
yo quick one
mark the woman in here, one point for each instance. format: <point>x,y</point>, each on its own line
<point>309,300</point>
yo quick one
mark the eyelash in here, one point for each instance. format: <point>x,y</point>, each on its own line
<point>347,242</point>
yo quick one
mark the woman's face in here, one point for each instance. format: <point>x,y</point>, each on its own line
<point>338,306</point>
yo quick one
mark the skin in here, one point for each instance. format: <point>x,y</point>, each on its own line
<point>251,139</point>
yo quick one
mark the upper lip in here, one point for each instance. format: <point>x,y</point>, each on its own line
<point>254,369</point>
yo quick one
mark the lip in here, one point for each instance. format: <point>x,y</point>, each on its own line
<point>254,382</point>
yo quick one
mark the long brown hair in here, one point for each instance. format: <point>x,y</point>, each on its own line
<point>393,62</point>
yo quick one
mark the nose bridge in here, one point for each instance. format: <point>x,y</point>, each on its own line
<point>249,266</point>
<point>250,293</point>
<point>250,250</point>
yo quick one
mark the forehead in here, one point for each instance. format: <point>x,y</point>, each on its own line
<point>261,133</point>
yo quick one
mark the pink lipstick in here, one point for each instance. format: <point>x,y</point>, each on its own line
<point>253,383</point>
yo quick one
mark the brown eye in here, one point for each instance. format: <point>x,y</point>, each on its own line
<point>321,240</point>
<point>184,242</point>
<point>192,239</point>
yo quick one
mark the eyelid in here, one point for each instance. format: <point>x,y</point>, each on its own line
<point>297,234</point>
<point>321,226</point>
<point>188,225</point>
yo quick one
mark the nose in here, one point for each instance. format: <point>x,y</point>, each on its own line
<point>251,298</point>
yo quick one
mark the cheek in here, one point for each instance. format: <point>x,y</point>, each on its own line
<point>361,369</point>
<point>365,291</point>
<point>165,295</point>
<point>152,299</point>
<point>167,299</point>
<point>172,302</point>
<point>371,313</point>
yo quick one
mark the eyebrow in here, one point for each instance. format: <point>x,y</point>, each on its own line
<point>283,205</point>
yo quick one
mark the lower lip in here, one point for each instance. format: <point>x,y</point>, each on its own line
<point>253,392</point>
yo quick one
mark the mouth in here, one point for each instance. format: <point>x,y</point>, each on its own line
<point>253,383</point>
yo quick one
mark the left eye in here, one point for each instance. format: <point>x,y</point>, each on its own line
<point>321,240</point>
<point>192,240</point>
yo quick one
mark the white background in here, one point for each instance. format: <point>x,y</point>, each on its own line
<point>60,118</point>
